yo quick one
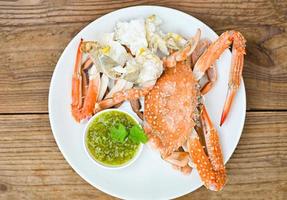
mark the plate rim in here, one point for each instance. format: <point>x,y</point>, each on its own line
<point>52,84</point>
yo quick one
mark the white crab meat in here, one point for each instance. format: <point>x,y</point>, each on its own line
<point>132,34</point>
<point>101,58</point>
<point>154,35</point>
<point>103,86</point>
<point>152,67</point>
<point>120,69</point>
<point>131,70</point>
<point>144,69</point>
<point>113,48</point>
<point>175,41</point>
<point>93,71</point>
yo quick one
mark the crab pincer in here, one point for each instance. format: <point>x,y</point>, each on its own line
<point>214,51</point>
<point>212,179</point>
<point>212,141</point>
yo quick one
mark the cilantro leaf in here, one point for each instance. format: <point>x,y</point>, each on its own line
<point>118,133</point>
<point>137,135</point>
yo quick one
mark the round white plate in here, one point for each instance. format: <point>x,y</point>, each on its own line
<point>149,177</point>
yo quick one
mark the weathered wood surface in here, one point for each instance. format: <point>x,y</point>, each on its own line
<point>33,34</point>
<point>31,166</point>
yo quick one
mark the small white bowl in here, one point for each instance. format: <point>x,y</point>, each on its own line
<point>99,163</point>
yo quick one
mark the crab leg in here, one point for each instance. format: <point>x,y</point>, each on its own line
<point>213,53</point>
<point>120,96</point>
<point>92,96</point>
<point>238,51</point>
<point>199,50</point>
<point>90,100</point>
<point>211,74</point>
<point>178,158</point>
<point>212,179</point>
<point>82,106</point>
<point>179,161</point>
<point>185,170</point>
<point>77,100</point>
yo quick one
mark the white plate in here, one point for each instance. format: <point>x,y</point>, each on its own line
<point>149,177</point>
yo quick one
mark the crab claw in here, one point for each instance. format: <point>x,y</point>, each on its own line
<point>212,179</point>
<point>213,146</point>
<point>213,52</point>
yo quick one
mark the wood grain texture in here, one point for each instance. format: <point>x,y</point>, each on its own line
<point>34,33</point>
<point>31,166</point>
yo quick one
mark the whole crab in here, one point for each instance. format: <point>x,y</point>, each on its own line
<point>173,108</point>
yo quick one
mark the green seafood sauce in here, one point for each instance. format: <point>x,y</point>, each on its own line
<point>100,144</point>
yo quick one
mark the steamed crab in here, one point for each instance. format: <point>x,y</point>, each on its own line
<point>173,109</point>
<point>124,66</point>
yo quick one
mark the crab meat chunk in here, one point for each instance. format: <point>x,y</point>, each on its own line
<point>131,34</point>
<point>113,48</point>
<point>154,35</point>
<point>144,69</point>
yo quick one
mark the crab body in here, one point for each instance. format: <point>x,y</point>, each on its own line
<point>169,108</point>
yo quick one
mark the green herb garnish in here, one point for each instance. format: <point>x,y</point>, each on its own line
<point>119,133</point>
<point>136,134</point>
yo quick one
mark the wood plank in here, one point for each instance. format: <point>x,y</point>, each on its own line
<point>31,166</point>
<point>34,33</point>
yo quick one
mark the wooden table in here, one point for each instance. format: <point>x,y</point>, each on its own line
<point>33,34</point>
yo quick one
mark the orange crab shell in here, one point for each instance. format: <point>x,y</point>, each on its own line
<point>169,108</point>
